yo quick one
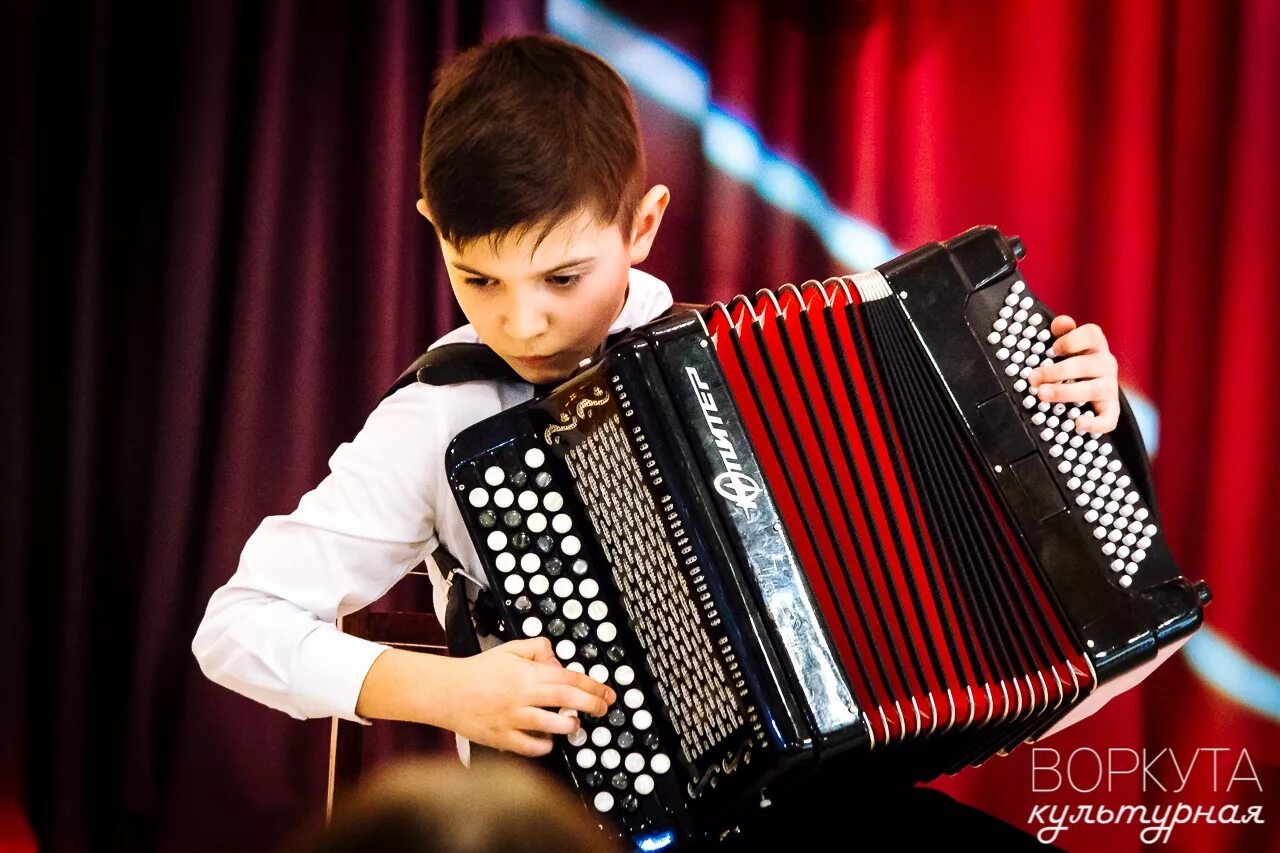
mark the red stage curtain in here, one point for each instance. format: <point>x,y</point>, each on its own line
<point>1134,147</point>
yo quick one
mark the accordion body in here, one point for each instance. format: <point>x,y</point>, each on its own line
<point>830,521</point>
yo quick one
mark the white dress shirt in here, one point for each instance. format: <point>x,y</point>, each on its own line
<point>269,633</point>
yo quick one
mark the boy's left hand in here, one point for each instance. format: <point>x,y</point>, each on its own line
<point>1081,354</point>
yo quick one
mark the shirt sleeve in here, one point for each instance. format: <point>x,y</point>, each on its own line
<point>269,633</point>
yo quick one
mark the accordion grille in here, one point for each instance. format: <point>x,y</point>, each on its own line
<point>658,581</point>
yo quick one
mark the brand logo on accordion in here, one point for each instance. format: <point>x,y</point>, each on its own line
<point>732,484</point>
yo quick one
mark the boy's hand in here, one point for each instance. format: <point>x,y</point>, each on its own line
<point>1082,356</point>
<point>516,695</point>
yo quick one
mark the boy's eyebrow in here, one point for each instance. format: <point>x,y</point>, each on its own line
<point>566,265</point>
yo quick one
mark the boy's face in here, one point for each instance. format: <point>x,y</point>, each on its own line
<point>546,308</point>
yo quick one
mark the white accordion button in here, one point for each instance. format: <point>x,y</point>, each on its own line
<point>561,523</point>
<point>1082,500</point>
<point>642,720</point>
<point>533,457</point>
<point>610,758</point>
<point>581,670</point>
<point>633,698</point>
<point>600,673</point>
<point>553,501</point>
<point>532,626</point>
<point>624,675</point>
<point>660,764</point>
<point>497,540</point>
<point>503,497</point>
<point>514,584</point>
<point>1140,514</point>
<point>538,584</point>
<point>506,561</point>
<point>1125,581</point>
<point>601,736</point>
<point>603,801</point>
<point>993,338</point>
<point>530,562</point>
<point>635,762</point>
<point>528,500</point>
<point>598,610</point>
<point>571,545</point>
<point>1144,542</point>
<point>563,587</point>
<point>572,607</point>
<point>565,649</point>
<point>589,589</point>
<point>537,522</point>
<point>478,497</point>
<point>607,632</point>
<point>1117,565</point>
<point>1108,548</point>
<point>494,475</point>
<point>578,736</point>
<point>1091,516</point>
<point>1139,555</point>
<point>644,784</point>
<point>586,759</point>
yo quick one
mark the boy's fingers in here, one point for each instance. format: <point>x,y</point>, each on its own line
<point>547,722</point>
<point>1089,366</point>
<point>528,744</point>
<point>569,699</point>
<point>1086,338</point>
<point>1104,420</point>
<point>1061,324</point>
<point>535,648</point>
<point>1080,391</point>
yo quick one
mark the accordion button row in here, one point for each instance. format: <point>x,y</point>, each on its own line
<point>552,590</point>
<point>1095,481</point>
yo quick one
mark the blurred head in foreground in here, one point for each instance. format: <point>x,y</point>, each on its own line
<point>436,804</point>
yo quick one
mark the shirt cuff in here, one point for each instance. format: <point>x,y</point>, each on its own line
<point>331,669</point>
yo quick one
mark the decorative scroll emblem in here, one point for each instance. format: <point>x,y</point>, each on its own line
<point>568,421</point>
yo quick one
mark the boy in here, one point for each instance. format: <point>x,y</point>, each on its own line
<point>532,175</point>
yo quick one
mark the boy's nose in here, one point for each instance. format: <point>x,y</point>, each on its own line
<point>526,322</point>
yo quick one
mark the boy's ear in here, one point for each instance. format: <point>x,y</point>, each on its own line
<point>644,226</point>
<point>422,208</point>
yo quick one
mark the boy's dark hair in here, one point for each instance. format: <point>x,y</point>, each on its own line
<point>526,132</point>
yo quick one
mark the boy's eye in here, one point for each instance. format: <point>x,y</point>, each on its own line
<point>564,280</point>
<point>477,281</point>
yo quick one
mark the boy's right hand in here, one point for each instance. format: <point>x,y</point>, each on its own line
<point>514,697</point>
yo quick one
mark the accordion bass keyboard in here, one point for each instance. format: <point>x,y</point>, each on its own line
<point>832,520</point>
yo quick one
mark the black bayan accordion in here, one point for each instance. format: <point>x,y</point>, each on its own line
<point>831,520</point>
